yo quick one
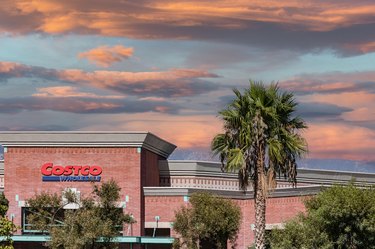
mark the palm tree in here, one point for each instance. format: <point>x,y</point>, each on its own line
<point>260,140</point>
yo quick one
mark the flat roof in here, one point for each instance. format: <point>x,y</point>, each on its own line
<point>140,139</point>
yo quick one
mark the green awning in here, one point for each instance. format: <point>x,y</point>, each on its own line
<point>118,239</point>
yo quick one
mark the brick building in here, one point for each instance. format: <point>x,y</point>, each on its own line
<point>152,187</point>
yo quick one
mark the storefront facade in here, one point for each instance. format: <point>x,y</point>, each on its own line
<point>152,188</point>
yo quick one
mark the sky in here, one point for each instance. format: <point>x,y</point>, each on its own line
<point>168,67</point>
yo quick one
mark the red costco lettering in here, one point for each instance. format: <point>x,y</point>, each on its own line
<point>76,170</point>
<point>49,169</point>
<point>85,170</point>
<point>95,170</point>
<point>68,170</point>
<point>46,169</point>
<point>58,170</point>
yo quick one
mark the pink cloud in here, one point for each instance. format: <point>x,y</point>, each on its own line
<point>354,90</point>
<point>164,19</point>
<point>120,18</point>
<point>347,99</point>
<point>361,114</point>
<point>329,82</point>
<point>68,92</point>
<point>366,47</point>
<point>174,82</point>
<point>6,67</point>
<point>105,56</point>
<point>153,98</point>
<point>325,140</point>
<point>186,131</point>
<point>333,140</point>
<point>169,83</point>
<point>309,86</point>
<point>285,25</point>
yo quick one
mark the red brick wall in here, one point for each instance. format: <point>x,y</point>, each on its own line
<point>150,178</point>
<point>283,208</point>
<point>131,170</point>
<point>23,176</point>
<point>150,169</point>
<point>278,211</point>
<point>163,206</point>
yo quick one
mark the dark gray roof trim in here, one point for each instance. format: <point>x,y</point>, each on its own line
<point>287,192</point>
<point>87,139</point>
<point>311,176</point>
<point>192,168</point>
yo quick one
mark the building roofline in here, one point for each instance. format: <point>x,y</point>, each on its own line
<point>336,171</point>
<point>239,194</point>
<point>141,139</point>
<point>213,169</point>
<point>303,169</point>
<point>193,161</point>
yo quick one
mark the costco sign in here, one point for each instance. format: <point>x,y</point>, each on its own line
<point>70,173</point>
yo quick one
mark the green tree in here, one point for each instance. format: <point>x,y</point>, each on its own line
<point>7,228</point>
<point>261,138</point>
<point>209,219</point>
<point>92,224</point>
<point>341,217</point>
<point>4,205</point>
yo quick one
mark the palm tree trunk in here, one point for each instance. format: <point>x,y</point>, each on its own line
<point>260,195</point>
<point>260,215</point>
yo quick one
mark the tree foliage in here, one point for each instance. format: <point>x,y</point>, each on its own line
<point>4,205</point>
<point>341,217</point>
<point>93,222</point>
<point>7,228</point>
<point>261,140</point>
<point>208,218</point>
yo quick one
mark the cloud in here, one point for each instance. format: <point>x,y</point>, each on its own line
<point>68,92</point>
<point>105,56</point>
<point>10,70</point>
<point>311,110</point>
<point>193,131</point>
<point>35,128</point>
<point>331,82</point>
<point>334,140</point>
<point>346,99</point>
<point>314,15</point>
<point>306,110</point>
<point>361,114</point>
<point>345,26</point>
<point>69,99</point>
<point>170,83</point>
<point>354,92</point>
<point>174,82</point>
<point>213,56</point>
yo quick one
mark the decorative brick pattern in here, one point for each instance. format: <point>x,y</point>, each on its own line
<point>211,183</point>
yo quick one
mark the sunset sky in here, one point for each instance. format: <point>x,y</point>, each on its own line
<point>169,66</point>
